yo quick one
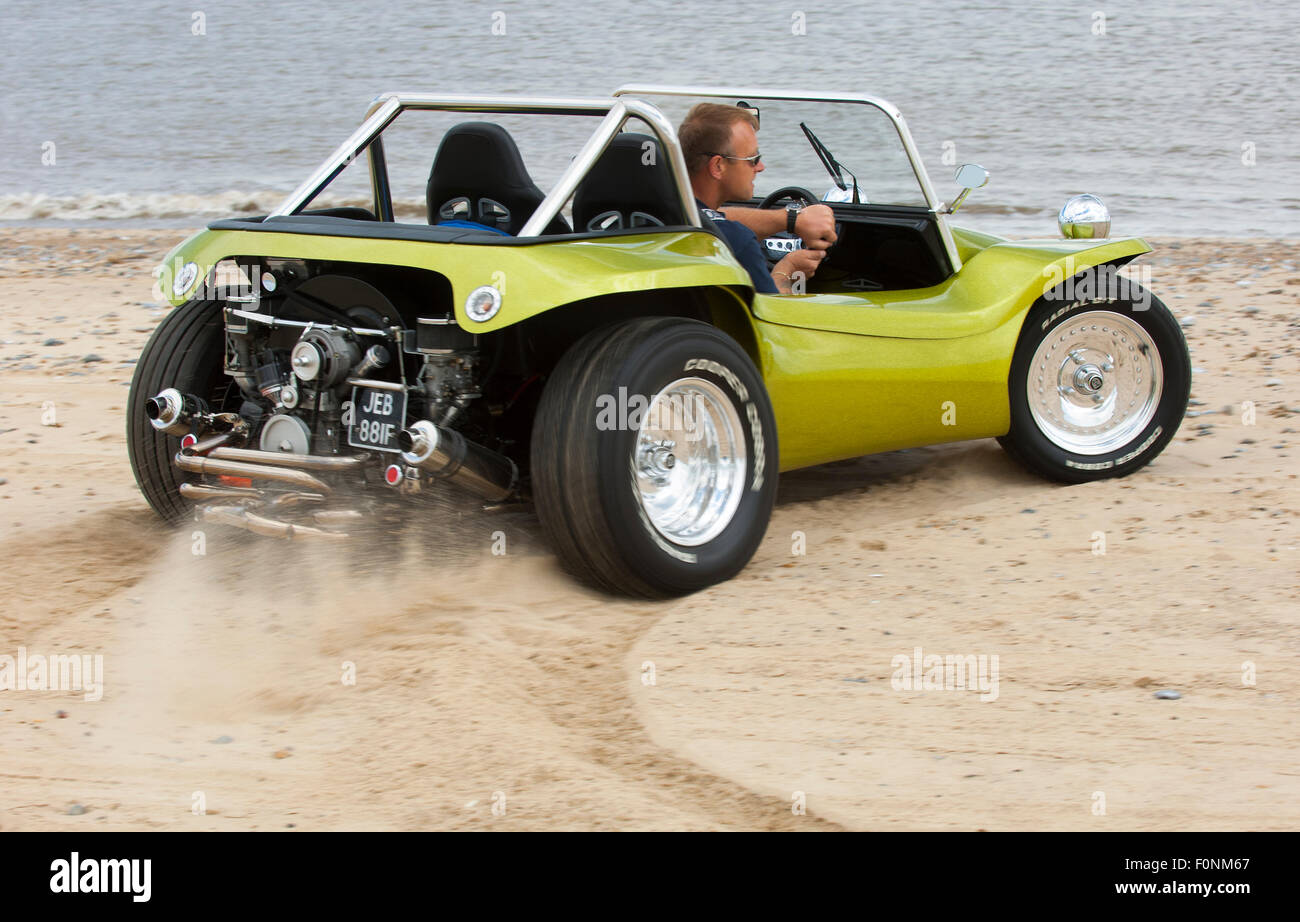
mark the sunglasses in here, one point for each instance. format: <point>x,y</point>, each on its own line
<point>753,161</point>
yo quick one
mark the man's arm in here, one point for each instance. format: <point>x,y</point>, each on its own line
<point>792,269</point>
<point>815,224</point>
<point>798,266</point>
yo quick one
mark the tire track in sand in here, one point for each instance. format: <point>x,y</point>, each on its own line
<point>478,675</point>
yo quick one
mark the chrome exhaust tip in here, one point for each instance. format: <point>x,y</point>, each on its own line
<point>171,411</point>
<point>447,454</point>
<point>417,442</point>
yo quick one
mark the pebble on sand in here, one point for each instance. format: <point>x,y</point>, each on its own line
<point>1168,694</point>
<point>76,810</point>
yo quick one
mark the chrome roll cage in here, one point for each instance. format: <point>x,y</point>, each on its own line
<point>384,109</point>
<point>614,112</point>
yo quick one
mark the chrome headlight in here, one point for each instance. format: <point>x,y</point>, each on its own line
<point>1084,217</point>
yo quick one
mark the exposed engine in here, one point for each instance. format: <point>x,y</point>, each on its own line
<point>352,393</point>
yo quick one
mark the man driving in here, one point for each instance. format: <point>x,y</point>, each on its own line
<point>720,144</point>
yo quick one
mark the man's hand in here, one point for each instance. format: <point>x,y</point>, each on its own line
<point>796,267</point>
<point>816,225</point>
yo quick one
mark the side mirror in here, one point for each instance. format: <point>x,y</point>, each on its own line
<point>970,176</point>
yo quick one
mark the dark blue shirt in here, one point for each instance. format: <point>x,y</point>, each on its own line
<point>744,245</point>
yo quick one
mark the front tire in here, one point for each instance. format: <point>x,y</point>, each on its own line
<point>654,458</point>
<point>1098,387</point>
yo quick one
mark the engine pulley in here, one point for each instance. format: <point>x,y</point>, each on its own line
<point>286,433</point>
<point>324,357</point>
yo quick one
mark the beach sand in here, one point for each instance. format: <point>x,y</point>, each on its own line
<point>495,693</point>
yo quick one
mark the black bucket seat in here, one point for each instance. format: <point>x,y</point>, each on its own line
<point>629,186</point>
<point>479,175</point>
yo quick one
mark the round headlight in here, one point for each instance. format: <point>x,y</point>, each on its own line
<point>1084,217</point>
<point>483,303</point>
<point>185,277</point>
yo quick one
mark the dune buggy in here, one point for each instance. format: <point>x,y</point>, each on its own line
<point>598,349</point>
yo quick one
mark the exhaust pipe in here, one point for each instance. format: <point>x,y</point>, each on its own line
<point>177,414</point>
<point>197,491</point>
<point>204,446</point>
<point>171,411</point>
<point>328,463</point>
<point>276,500</point>
<point>239,517</point>
<point>447,454</point>
<point>198,464</point>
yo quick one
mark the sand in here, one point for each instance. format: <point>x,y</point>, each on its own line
<point>492,692</point>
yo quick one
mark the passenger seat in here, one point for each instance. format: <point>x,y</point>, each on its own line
<point>478,176</point>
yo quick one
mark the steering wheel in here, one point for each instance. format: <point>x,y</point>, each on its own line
<point>774,250</point>
<point>789,192</point>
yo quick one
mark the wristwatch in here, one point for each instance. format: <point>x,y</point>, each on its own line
<point>791,215</point>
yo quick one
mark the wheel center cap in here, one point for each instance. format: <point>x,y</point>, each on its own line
<point>1088,379</point>
<point>657,460</point>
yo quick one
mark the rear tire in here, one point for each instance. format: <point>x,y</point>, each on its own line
<point>186,352</point>
<point>668,500</point>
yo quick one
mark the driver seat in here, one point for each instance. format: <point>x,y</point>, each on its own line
<point>478,175</point>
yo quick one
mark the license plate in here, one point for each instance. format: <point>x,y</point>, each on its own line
<point>377,417</point>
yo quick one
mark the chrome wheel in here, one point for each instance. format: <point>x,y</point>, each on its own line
<point>689,461</point>
<point>1094,383</point>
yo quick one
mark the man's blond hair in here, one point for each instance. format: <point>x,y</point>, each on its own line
<point>706,131</point>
